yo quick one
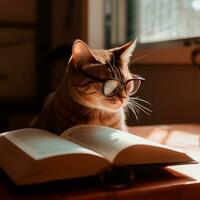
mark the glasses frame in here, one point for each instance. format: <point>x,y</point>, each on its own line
<point>122,83</point>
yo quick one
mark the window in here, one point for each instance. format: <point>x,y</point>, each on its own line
<point>160,25</point>
<point>163,20</point>
<point>151,20</point>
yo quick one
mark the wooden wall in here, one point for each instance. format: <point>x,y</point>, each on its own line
<point>172,85</point>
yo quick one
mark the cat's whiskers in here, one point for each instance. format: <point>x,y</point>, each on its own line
<point>133,109</point>
<point>138,58</point>
<point>139,99</point>
<point>141,106</point>
<point>135,106</point>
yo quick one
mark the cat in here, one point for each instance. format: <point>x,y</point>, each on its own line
<point>94,90</point>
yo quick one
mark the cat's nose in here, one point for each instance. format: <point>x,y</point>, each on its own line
<point>122,95</point>
<point>123,100</point>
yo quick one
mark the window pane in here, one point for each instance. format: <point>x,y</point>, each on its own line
<point>163,20</point>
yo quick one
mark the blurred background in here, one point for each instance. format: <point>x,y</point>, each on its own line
<point>36,37</point>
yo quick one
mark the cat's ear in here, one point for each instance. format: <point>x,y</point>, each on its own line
<point>81,53</point>
<point>125,52</point>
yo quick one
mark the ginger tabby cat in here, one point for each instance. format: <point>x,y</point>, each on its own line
<point>96,89</point>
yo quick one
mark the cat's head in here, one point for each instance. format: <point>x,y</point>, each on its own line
<point>99,78</point>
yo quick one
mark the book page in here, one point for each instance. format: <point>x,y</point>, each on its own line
<point>104,140</point>
<point>41,144</point>
<point>34,156</point>
<point>112,144</point>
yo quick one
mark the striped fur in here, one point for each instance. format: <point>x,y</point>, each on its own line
<point>79,99</point>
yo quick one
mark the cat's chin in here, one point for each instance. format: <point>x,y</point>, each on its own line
<point>113,110</point>
<point>110,107</point>
<point>115,107</point>
<point>106,108</point>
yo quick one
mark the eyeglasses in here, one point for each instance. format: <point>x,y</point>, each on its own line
<point>111,87</point>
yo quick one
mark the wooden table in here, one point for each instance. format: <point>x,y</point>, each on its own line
<point>177,182</point>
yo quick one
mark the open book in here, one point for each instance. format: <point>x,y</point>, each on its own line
<point>34,156</point>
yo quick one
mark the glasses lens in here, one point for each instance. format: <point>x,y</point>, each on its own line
<point>111,87</point>
<point>132,86</point>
